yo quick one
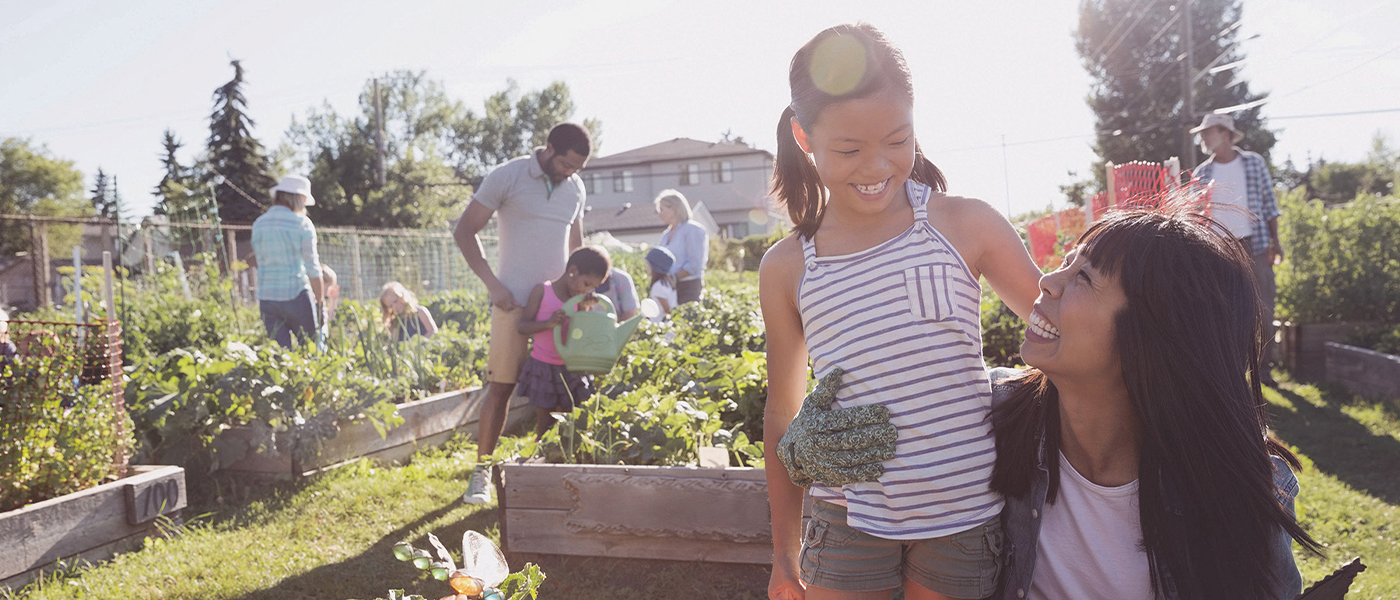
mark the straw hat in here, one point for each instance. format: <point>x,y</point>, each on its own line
<point>295,184</point>
<point>1226,121</point>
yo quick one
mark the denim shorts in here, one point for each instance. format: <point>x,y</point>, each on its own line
<point>836,556</point>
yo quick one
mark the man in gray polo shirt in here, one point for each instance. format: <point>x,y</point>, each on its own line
<point>539,199</point>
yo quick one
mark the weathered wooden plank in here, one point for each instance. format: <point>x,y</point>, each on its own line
<point>427,422</point>
<point>519,411</point>
<point>43,532</point>
<point>541,486</point>
<point>544,532</point>
<point>103,552</point>
<point>153,494</point>
<point>421,418</point>
<point>659,506</point>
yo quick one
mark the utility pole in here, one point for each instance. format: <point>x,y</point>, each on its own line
<point>378,136</point>
<point>1188,80</point>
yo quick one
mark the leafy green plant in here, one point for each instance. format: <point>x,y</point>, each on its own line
<point>1002,331</point>
<point>58,433</point>
<point>1385,340</point>
<point>1340,263</point>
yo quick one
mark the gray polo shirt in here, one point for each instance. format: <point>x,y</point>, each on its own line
<point>531,220</point>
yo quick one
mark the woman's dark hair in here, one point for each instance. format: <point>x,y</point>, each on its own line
<point>857,61</point>
<point>570,137</point>
<point>1190,339</point>
<point>590,260</point>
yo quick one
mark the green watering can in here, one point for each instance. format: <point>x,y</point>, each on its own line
<point>595,338</point>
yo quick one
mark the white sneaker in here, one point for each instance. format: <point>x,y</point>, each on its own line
<point>479,487</point>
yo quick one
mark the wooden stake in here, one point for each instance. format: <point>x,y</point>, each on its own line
<point>39,256</point>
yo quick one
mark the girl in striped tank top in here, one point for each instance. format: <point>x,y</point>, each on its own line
<point>880,279</point>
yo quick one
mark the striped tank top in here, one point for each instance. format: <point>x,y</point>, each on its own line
<point>902,318</point>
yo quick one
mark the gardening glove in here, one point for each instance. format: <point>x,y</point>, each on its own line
<point>836,447</point>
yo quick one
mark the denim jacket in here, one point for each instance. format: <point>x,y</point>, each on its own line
<point>1021,521</point>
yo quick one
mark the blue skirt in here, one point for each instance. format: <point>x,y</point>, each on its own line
<point>553,387</point>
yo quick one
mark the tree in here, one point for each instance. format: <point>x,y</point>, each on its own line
<point>1136,52</point>
<point>105,199</point>
<point>513,125</point>
<point>1340,182</point>
<point>175,192</point>
<point>435,149</point>
<point>236,160</point>
<point>34,182</point>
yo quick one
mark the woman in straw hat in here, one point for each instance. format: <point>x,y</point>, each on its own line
<point>289,269</point>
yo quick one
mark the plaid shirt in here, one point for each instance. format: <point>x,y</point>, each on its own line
<point>1259,193</point>
<point>285,244</point>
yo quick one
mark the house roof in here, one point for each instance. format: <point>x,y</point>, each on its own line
<point>676,149</point>
<point>727,207</point>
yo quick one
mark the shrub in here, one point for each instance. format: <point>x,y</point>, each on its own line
<point>61,430</point>
<point>1340,263</point>
<point>1385,340</point>
<point>1002,331</point>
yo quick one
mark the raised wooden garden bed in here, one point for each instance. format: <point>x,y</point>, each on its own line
<point>427,422</point>
<point>1302,346</point>
<point>1363,371</point>
<point>94,524</point>
<point>675,513</point>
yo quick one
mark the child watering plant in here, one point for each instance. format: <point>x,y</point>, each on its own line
<point>879,285</point>
<point>550,386</point>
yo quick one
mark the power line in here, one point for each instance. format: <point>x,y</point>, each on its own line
<point>1130,28</point>
<point>1114,32</point>
<point>1338,114</point>
<point>1338,75</point>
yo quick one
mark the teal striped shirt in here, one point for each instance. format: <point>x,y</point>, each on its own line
<point>285,244</point>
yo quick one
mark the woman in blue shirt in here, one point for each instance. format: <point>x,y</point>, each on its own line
<point>687,240</point>
<point>289,269</point>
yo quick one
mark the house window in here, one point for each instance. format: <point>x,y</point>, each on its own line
<point>622,181</point>
<point>593,183</point>
<point>722,171</point>
<point>690,174</point>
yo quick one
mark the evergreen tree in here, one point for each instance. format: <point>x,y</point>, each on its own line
<point>102,198</point>
<point>237,161</point>
<point>175,192</point>
<point>1136,53</point>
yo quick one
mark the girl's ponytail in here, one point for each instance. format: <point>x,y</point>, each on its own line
<point>796,183</point>
<point>926,173</point>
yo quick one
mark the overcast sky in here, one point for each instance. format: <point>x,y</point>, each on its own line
<point>98,81</point>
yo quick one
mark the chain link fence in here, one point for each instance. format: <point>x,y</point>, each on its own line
<point>426,261</point>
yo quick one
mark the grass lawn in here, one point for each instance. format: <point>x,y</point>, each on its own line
<point>1350,485</point>
<point>330,537</point>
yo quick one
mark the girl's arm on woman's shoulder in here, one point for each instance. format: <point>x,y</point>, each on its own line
<point>991,248</point>
<point>778,277</point>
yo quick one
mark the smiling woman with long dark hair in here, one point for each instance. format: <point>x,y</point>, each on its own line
<point>1134,455</point>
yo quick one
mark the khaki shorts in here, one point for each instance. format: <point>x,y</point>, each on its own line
<point>507,349</point>
<point>837,557</point>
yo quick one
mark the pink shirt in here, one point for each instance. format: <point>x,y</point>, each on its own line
<point>543,349</point>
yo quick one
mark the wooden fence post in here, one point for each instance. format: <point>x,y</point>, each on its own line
<point>148,249</point>
<point>39,256</point>
<point>232,242</point>
<point>355,262</point>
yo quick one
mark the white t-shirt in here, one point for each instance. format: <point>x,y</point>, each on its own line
<point>660,291</point>
<point>1229,200</point>
<point>1091,543</point>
